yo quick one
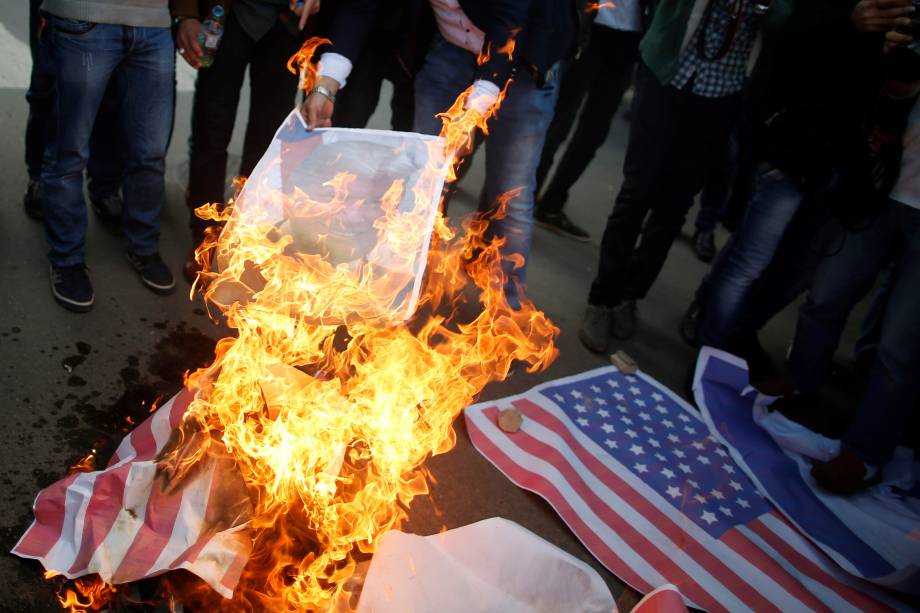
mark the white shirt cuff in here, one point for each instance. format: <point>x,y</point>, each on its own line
<point>335,66</point>
<point>483,96</point>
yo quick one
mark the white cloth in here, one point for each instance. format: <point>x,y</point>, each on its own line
<point>907,189</point>
<point>620,15</point>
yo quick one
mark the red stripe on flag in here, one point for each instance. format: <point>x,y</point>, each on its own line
<point>716,567</point>
<point>770,567</point>
<point>179,407</point>
<point>153,536</point>
<point>656,557</point>
<point>807,567</point>
<point>104,506</point>
<point>49,520</point>
<point>232,576</point>
<point>539,484</point>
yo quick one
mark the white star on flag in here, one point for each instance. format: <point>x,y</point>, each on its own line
<point>726,511</point>
<point>639,402</point>
<point>673,438</point>
<point>581,408</point>
<point>619,396</point>
<point>631,433</point>
<point>576,394</point>
<point>686,469</point>
<point>721,452</point>
<point>744,504</point>
<point>693,484</point>
<point>667,472</point>
<point>661,457</point>
<point>667,423</point>
<point>622,409</point>
<point>700,499</point>
<point>729,469</point>
<point>608,428</point>
<point>734,485</point>
<point>673,491</point>
<point>717,494</point>
<point>559,397</point>
<point>683,417</point>
<point>610,443</point>
<point>641,468</point>
<point>679,453</point>
<point>626,420</point>
<point>699,445</point>
<point>637,450</point>
<point>708,517</point>
<point>657,397</point>
<point>654,443</point>
<point>595,389</point>
<point>648,429</point>
<point>600,401</point>
<point>644,416</point>
<point>702,459</point>
<point>630,378</point>
<point>613,383</point>
<point>689,429</point>
<point>635,391</point>
<point>661,409</point>
<point>604,413</point>
<point>582,422</point>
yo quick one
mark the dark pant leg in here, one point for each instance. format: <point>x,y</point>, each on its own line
<point>647,160</point>
<point>841,281</point>
<point>217,94</point>
<point>40,95</point>
<point>614,54</point>
<point>358,100</point>
<point>402,105</point>
<point>104,170</point>
<point>272,94</point>
<point>893,384</point>
<point>702,127</point>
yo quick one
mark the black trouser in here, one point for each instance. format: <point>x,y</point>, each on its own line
<point>675,138</point>
<point>598,77</point>
<point>356,103</point>
<point>217,95</point>
<point>104,168</point>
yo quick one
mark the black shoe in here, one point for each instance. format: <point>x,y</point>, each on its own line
<point>108,211</point>
<point>689,324</point>
<point>625,320</point>
<point>32,200</point>
<point>560,224</point>
<point>154,273</point>
<point>71,288</point>
<point>704,245</point>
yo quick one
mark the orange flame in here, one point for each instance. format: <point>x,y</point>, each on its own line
<point>328,408</point>
<point>86,464</point>
<point>89,594</point>
<point>593,7</point>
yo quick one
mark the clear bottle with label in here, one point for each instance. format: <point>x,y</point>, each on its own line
<point>212,29</point>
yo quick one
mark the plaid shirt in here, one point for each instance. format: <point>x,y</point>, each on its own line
<point>724,76</point>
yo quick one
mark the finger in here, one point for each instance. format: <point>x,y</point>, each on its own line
<point>894,12</point>
<point>886,4</point>
<point>303,18</point>
<point>315,8</point>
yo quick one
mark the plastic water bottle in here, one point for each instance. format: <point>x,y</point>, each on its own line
<point>212,29</point>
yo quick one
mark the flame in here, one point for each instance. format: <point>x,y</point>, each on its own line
<point>89,594</point>
<point>593,7</point>
<point>87,464</point>
<point>329,407</point>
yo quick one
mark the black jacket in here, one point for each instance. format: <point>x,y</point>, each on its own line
<point>545,32</point>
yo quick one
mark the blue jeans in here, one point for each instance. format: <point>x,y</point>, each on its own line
<point>775,200</point>
<point>513,146</point>
<point>140,64</point>
<point>842,281</point>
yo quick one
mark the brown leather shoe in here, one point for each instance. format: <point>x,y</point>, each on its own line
<point>844,475</point>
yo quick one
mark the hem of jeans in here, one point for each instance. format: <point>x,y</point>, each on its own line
<point>66,263</point>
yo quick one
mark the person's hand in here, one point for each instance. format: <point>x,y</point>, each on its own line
<point>187,41</point>
<point>317,108</point>
<point>881,15</point>
<point>303,9</point>
<point>893,38</point>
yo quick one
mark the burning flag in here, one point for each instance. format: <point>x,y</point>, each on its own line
<point>364,325</point>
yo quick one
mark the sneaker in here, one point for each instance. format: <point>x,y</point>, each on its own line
<point>108,211</point>
<point>594,332</point>
<point>625,320</point>
<point>154,273</point>
<point>560,224</point>
<point>704,245</point>
<point>71,288</point>
<point>846,474</point>
<point>32,200</point>
<point>689,324</point>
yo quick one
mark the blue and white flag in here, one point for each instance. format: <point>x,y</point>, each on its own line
<point>874,535</point>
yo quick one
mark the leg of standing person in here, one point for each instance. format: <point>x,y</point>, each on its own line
<point>217,95</point>
<point>704,125</point>
<point>145,80</point>
<point>104,169</point>
<point>273,90</point>
<point>653,122</point>
<point>80,88</point>
<point>402,104</point>
<point>611,56</point>
<point>357,102</point>
<point>713,200</point>
<point>512,152</point>
<point>40,96</point>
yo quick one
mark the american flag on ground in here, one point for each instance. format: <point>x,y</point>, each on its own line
<point>123,524</point>
<point>635,474</point>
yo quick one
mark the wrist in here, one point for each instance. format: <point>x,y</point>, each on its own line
<point>328,83</point>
